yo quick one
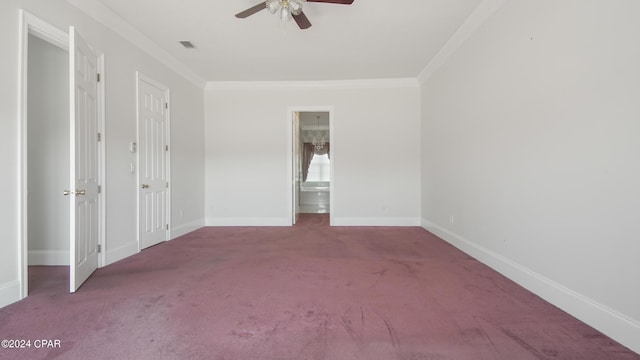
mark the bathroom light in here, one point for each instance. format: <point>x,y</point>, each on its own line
<point>318,140</point>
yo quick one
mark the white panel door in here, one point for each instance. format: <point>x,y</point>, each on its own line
<point>152,167</point>
<point>84,150</point>
<point>297,166</point>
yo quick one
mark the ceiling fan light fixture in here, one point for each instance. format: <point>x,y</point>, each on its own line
<point>287,10</point>
<point>295,7</point>
<point>285,14</point>
<point>273,6</point>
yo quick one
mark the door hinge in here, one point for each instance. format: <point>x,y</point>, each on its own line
<point>167,184</point>
<point>99,248</point>
<point>166,147</point>
<point>166,105</point>
<point>167,226</point>
<point>99,189</point>
<point>98,77</point>
<point>99,137</point>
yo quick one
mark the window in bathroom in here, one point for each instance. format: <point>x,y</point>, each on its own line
<point>319,169</point>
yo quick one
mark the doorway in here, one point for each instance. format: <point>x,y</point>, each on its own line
<point>47,159</point>
<point>59,230</point>
<point>315,163</point>
<point>311,162</point>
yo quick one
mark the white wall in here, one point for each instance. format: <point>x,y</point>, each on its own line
<point>48,153</point>
<point>375,153</point>
<point>531,140</point>
<point>122,59</point>
<point>187,160</point>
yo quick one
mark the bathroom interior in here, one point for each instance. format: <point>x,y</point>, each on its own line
<point>315,163</point>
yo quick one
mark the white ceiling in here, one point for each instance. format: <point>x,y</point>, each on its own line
<point>371,39</point>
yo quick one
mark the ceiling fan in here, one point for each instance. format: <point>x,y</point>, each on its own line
<point>288,9</point>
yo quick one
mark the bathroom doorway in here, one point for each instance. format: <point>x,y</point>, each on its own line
<point>315,163</point>
<point>312,158</point>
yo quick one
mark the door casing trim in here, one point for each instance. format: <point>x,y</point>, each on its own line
<point>290,160</point>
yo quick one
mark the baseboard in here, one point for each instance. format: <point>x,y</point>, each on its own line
<point>335,222</point>
<point>619,327</point>
<point>345,221</point>
<point>248,222</point>
<point>49,257</point>
<point>186,228</point>
<point>121,252</point>
<point>9,293</point>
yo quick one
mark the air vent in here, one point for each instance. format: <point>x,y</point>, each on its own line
<point>188,44</point>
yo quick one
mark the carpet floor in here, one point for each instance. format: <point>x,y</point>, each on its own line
<point>294,293</point>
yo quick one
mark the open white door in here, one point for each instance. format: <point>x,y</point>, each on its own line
<point>84,150</point>
<point>297,167</point>
<point>153,145</point>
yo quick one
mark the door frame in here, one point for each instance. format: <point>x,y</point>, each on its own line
<point>291,110</point>
<point>31,24</point>
<point>142,77</point>
<point>295,169</point>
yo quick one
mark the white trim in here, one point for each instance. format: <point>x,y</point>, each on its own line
<point>44,30</point>
<point>10,292</point>
<point>313,85</point>
<point>49,257</point>
<point>284,221</point>
<point>478,17</point>
<point>102,158</point>
<point>74,116</point>
<point>118,25</point>
<point>357,221</point>
<point>186,228</point>
<point>29,24</point>
<point>120,253</point>
<point>618,326</point>
<point>167,93</point>
<point>289,180</point>
<point>149,80</point>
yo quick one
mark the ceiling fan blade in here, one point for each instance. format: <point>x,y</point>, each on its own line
<point>252,10</point>
<point>302,21</point>
<point>343,2</point>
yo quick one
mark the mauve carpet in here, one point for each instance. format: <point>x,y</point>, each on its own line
<point>304,292</point>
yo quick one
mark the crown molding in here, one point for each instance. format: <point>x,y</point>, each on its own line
<point>313,85</point>
<point>478,17</point>
<point>117,24</point>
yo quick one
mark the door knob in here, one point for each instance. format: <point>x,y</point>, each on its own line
<point>145,186</point>
<point>67,192</point>
<point>80,192</point>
